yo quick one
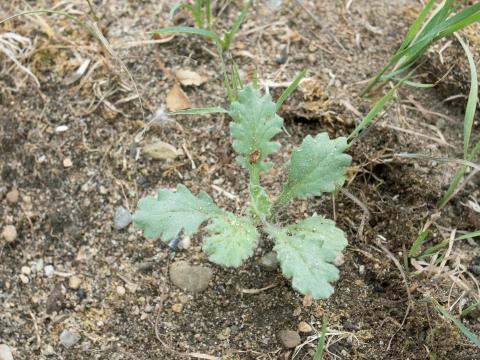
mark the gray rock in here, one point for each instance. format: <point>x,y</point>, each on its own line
<point>269,261</point>
<point>192,278</point>
<point>289,338</point>
<point>5,352</point>
<point>123,218</point>
<point>69,338</point>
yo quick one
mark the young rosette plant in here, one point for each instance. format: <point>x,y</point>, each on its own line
<point>305,250</point>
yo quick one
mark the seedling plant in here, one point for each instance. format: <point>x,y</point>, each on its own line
<point>202,14</point>
<point>306,249</point>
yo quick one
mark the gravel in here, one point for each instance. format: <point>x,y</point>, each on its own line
<point>49,270</point>
<point>122,219</point>
<point>69,338</point>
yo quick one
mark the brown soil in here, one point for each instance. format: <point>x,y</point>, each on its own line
<point>65,213</point>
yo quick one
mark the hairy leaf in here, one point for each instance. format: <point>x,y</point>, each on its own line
<point>255,124</point>
<point>232,240</point>
<point>305,252</point>
<point>170,212</point>
<point>318,165</point>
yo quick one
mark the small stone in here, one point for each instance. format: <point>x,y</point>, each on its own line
<point>26,270</point>
<point>269,261</point>
<point>185,243</point>
<point>13,196</point>
<point>74,282</point>
<point>339,259</point>
<point>177,307</point>
<point>361,269</point>
<point>193,278</point>
<point>24,279</point>
<point>5,352</point>
<point>69,338</point>
<point>49,270</point>
<point>9,233</point>
<point>61,129</point>
<point>120,290</point>
<point>304,327</point>
<point>289,338</point>
<point>122,219</point>
<point>67,162</point>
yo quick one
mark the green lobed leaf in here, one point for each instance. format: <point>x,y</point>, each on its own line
<point>232,239</point>
<point>255,124</point>
<point>166,215</point>
<point>318,165</point>
<point>306,252</point>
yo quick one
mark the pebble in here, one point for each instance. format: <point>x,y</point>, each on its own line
<point>120,290</point>
<point>9,233</point>
<point>48,270</point>
<point>339,259</point>
<point>74,282</point>
<point>361,269</point>
<point>13,196</point>
<point>5,352</point>
<point>177,307</point>
<point>67,162</point>
<point>269,261</point>
<point>289,338</point>
<point>26,270</point>
<point>69,338</point>
<point>24,279</point>
<point>122,219</point>
<point>185,243</point>
<point>304,327</point>
<point>192,278</point>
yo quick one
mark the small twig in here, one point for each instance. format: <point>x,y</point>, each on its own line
<point>257,291</point>
<point>35,327</point>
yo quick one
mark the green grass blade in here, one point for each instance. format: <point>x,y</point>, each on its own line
<point>290,89</point>
<point>188,30</point>
<point>230,35</point>
<point>417,84</point>
<point>208,11</point>
<point>433,250</point>
<point>469,235</point>
<point>469,309</point>
<point>321,343</point>
<point>179,6</point>
<point>464,18</point>
<point>416,26</point>
<point>470,335</point>
<point>414,250</point>
<point>199,111</point>
<point>379,105</point>
<point>472,98</point>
